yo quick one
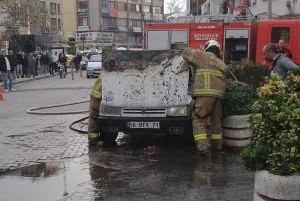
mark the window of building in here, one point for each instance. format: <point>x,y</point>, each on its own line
<point>53,8</point>
<point>135,23</point>
<point>147,1</point>
<point>122,6</point>
<point>134,7</point>
<point>109,21</point>
<point>83,5</point>
<point>156,10</point>
<point>146,9</point>
<point>108,4</point>
<point>122,22</point>
<point>58,9</point>
<point>83,21</point>
<point>43,4</point>
<point>53,23</point>
<point>280,33</point>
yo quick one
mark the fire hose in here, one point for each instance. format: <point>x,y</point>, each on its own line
<point>71,126</point>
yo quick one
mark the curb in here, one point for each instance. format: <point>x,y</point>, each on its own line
<point>31,80</point>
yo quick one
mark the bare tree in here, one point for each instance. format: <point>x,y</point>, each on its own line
<point>22,16</point>
<point>175,6</point>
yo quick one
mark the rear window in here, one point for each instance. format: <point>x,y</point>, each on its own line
<point>96,58</point>
<point>280,33</point>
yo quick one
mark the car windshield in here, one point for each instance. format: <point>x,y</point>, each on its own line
<point>96,58</point>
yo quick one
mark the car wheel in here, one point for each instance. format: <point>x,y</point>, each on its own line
<point>88,76</point>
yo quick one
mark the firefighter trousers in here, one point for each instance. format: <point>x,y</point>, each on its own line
<point>207,108</point>
<point>93,126</point>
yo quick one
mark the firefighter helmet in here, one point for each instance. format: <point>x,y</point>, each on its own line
<point>209,44</point>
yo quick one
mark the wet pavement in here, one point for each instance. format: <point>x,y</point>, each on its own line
<point>127,174</point>
<point>42,159</point>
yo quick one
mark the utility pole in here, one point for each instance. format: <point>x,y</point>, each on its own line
<point>57,30</point>
<point>102,23</point>
<point>269,9</point>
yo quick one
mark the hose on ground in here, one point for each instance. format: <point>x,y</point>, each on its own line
<point>71,126</point>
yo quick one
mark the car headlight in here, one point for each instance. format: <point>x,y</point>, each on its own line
<point>109,110</point>
<point>179,111</point>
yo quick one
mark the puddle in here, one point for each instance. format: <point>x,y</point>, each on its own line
<point>123,173</point>
<point>44,182</point>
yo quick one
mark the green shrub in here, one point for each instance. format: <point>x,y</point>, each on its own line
<point>237,99</point>
<point>275,120</point>
<point>240,95</point>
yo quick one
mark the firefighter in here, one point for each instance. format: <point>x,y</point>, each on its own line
<point>208,91</point>
<point>95,100</point>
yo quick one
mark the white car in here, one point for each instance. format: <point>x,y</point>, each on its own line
<point>94,66</point>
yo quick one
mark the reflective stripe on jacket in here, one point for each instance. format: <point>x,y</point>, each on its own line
<point>97,88</point>
<point>209,79</point>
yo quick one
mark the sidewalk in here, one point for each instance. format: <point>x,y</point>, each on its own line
<point>25,80</point>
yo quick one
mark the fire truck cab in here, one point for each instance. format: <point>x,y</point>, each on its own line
<point>235,36</point>
<point>271,31</point>
<point>241,38</point>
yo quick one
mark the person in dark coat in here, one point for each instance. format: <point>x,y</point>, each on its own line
<point>44,61</point>
<point>13,62</point>
<point>77,59</point>
<point>63,60</point>
<point>20,66</point>
<point>6,72</point>
<point>25,64</point>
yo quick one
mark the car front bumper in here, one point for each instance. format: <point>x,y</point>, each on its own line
<point>168,125</point>
<point>93,72</point>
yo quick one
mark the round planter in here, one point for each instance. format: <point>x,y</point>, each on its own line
<point>236,131</point>
<point>269,187</point>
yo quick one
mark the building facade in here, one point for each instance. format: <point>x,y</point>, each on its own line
<point>69,25</point>
<point>53,26</point>
<point>279,7</point>
<point>102,23</point>
<point>214,7</point>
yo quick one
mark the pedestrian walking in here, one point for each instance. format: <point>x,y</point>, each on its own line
<point>77,59</point>
<point>14,63</point>
<point>44,61</point>
<point>208,91</point>
<point>31,65</point>
<point>20,65</point>
<point>6,70</point>
<point>281,64</point>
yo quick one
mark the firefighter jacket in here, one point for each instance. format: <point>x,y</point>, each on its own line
<point>97,88</point>
<point>210,73</point>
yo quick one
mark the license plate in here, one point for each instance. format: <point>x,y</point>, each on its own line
<point>150,125</point>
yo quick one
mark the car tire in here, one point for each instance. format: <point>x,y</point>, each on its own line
<point>88,76</point>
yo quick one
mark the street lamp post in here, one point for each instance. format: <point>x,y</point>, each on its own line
<point>270,9</point>
<point>57,29</point>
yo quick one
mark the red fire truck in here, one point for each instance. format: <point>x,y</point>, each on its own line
<point>240,37</point>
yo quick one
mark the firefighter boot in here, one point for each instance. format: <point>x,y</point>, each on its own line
<point>200,136</point>
<point>216,126</point>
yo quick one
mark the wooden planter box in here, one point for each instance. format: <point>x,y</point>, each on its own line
<point>269,187</point>
<point>236,131</point>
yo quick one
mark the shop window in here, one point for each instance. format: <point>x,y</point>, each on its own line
<point>280,33</point>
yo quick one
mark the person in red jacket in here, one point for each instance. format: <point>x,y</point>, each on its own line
<point>283,50</point>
